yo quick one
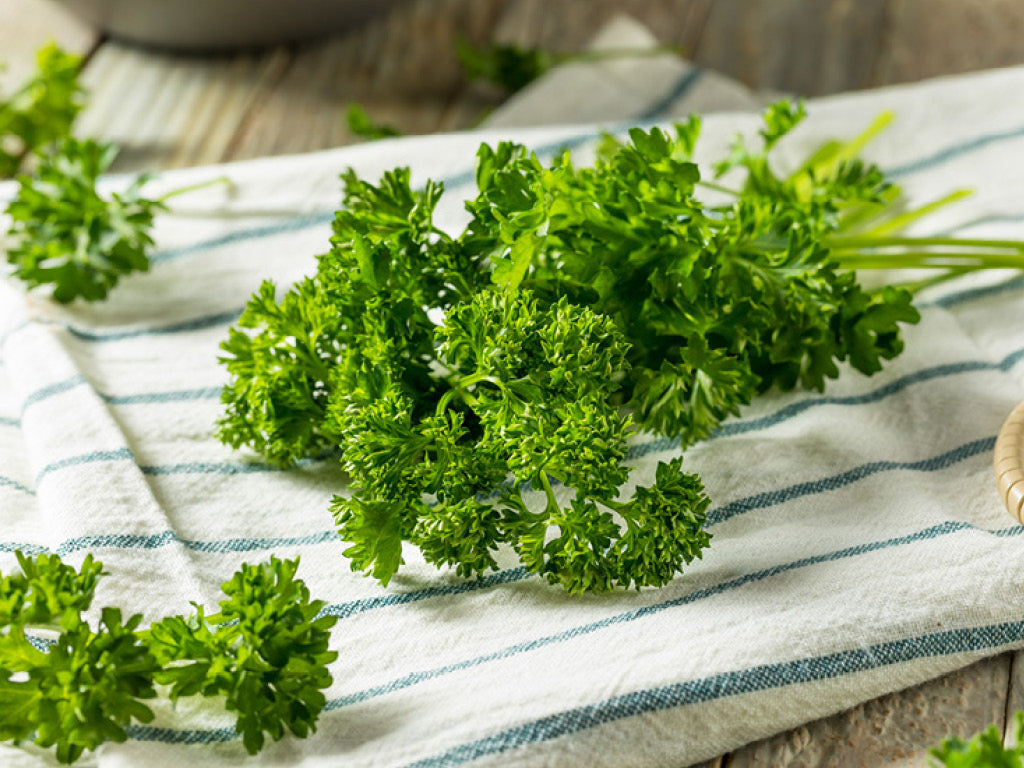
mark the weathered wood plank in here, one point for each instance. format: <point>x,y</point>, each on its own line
<point>167,110</point>
<point>793,45</point>
<point>895,730</point>
<point>401,68</point>
<point>1015,696</point>
<point>925,38</point>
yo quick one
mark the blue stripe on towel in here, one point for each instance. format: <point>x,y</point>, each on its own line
<point>184,326</point>
<point>954,151</point>
<point>935,644</point>
<point>9,482</point>
<point>173,396</point>
<point>52,390</point>
<point>843,479</point>
<point>290,225</point>
<point>167,538</point>
<point>682,86</point>
<point>751,680</point>
<point>93,457</point>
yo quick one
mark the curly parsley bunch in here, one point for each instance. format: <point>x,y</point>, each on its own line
<point>481,388</point>
<point>265,653</point>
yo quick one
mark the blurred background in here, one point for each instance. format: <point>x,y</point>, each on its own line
<point>398,61</point>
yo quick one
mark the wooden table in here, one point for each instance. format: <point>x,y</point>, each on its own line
<point>169,110</point>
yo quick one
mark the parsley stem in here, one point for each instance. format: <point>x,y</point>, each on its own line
<point>903,220</point>
<point>872,241</point>
<point>965,261</point>
<point>545,481</point>
<point>461,386</point>
<point>915,286</point>
<point>719,188</point>
<point>195,187</point>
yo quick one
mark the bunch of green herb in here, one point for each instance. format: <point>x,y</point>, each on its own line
<point>482,388</point>
<point>265,652</point>
<point>40,112</point>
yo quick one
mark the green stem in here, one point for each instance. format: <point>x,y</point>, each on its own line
<point>552,505</point>
<point>901,221</point>
<point>459,388</point>
<point>931,260</point>
<point>195,187</point>
<point>859,242</point>
<point>831,155</point>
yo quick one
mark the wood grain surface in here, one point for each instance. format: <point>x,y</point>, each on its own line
<point>169,109</point>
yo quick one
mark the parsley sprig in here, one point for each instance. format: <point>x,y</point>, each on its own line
<point>482,388</point>
<point>41,111</point>
<point>72,685</point>
<point>65,233</point>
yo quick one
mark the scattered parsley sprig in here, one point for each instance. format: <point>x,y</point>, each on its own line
<point>65,233</point>
<point>265,652</point>
<point>41,111</point>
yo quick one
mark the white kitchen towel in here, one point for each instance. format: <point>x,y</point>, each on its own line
<point>859,544</point>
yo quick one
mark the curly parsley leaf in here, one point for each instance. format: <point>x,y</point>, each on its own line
<point>65,234</point>
<point>85,688</point>
<point>526,406</point>
<point>71,686</point>
<point>510,67</point>
<point>265,651</point>
<point>361,124</point>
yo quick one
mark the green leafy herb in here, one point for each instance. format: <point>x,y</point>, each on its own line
<point>265,652</point>
<point>64,233</point>
<point>984,749</point>
<point>362,125</point>
<point>508,66</point>
<point>513,67</point>
<point>41,111</point>
<point>481,388</point>
<point>86,687</point>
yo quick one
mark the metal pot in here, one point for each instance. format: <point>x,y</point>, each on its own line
<point>200,25</point>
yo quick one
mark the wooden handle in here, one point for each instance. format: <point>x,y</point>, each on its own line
<point>1008,463</point>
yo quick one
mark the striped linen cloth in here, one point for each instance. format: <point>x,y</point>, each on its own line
<point>859,545</point>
